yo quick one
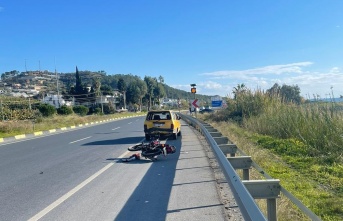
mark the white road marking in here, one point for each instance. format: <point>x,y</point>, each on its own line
<point>80,139</point>
<point>116,128</point>
<point>129,123</point>
<point>72,192</point>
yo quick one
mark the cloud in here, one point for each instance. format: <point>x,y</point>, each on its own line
<point>293,68</point>
<point>310,82</point>
<point>210,85</point>
<point>263,78</point>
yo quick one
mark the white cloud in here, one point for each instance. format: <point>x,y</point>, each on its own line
<point>211,85</point>
<point>310,82</point>
<point>294,68</point>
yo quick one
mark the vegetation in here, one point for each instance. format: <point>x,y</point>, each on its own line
<point>297,142</point>
<point>65,110</point>
<point>47,110</point>
<point>12,128</point>
<point>81,110</point>
<point>87,87</point>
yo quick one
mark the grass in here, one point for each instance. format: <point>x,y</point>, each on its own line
<point>12,128</point>
<point>299,176</point>
<point>299,144</point>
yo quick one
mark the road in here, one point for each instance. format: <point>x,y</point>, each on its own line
<point>77,175</point>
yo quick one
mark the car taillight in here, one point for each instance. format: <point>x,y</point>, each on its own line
<point>172,126</point>
<point>145,127</point>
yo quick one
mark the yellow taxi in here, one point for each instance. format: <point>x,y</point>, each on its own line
<point>162,122</point>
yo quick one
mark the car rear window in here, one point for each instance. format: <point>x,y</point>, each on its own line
<point>159,116</point>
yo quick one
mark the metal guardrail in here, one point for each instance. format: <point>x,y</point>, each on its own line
<point>245,191</point>
<point>245,201</point>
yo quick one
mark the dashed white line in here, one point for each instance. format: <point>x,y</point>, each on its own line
<point>72,192</point>
<point>80,139</point>
<point>116,128</point>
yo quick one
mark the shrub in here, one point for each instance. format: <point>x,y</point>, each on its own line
<point>65,110</point>
<point>81,110</point>
<point>108,109</point>
<point>47,110</point>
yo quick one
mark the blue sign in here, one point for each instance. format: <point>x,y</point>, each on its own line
<point>217,103</point>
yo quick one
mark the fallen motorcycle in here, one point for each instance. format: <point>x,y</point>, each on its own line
<point>154,148</point>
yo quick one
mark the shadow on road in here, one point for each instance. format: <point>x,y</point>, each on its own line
<point>150,199</point>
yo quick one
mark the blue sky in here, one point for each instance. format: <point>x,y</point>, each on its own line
<point>213,43</point>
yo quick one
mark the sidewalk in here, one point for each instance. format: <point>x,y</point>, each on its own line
<point>199,190</point>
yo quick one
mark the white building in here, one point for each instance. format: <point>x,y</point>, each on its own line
<point>55,100</point>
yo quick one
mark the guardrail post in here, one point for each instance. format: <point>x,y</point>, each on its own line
<point>228,149</point>
<point>265,189</point>
<point>241,162</point>
<point>271,208</point>
<point>216,134</point>
<point>221,140</point>
<point>211,129</point>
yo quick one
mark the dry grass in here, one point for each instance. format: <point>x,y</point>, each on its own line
<point>12,128</point>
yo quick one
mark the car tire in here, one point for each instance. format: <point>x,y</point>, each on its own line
<point>179,134</point>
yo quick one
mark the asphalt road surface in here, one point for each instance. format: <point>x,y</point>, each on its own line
<point>77,174</point>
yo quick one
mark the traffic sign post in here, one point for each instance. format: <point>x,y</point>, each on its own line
<point>195,103</point>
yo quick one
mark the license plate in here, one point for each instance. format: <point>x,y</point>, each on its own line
<point>158,125</point>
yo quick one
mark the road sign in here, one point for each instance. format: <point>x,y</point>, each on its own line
<point>195,103</point>
<point>217,103</point>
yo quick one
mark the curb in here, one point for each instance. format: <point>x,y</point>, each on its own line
<point>39,133</point>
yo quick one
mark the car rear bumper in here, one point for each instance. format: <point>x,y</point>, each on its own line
<point>163,131</point>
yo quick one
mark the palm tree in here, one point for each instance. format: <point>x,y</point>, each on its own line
<point>240,89</point>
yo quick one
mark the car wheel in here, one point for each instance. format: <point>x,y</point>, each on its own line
<point>179,134</point>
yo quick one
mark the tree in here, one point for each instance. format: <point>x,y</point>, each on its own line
<point>240,89</point>
<point>159,92</point>
<point>122,88</point>
<point>79,91</point>
<point>132,94</point>
<point>275,90</point>
<point>78,83</point>
<point>286,92</point>
<point>150,82</point>
<point>143,91</point>
<point>161,79</point>
<point>290,93</point>
<point>96,86</point>
<point>106,90</point>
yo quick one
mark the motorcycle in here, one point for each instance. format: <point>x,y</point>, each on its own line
<point>154,148</point>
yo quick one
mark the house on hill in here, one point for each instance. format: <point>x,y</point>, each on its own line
<point>55,100</point>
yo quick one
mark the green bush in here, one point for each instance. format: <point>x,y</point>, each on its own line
<point>108,109</point>
<point>47,110</point>
<point>65,110</point>
<point>81,110</point>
